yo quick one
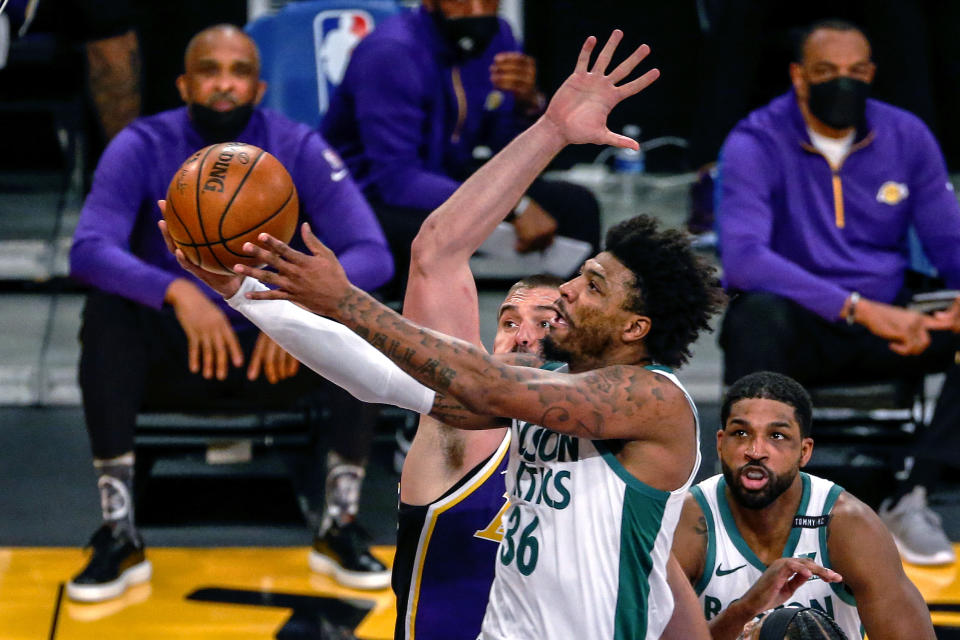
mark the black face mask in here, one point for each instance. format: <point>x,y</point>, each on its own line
<point>839,103</point>
<point>220,126</point>
<point>470,36</point>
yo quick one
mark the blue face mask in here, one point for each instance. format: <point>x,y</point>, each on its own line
<point>470,36</point>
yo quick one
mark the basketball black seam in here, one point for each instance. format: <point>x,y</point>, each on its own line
<point>223,241</point>
<point>223,216</point>
<point>203,231</point>
<point>173,209</point>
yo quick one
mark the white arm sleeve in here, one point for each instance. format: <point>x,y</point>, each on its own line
<point>333,351</point>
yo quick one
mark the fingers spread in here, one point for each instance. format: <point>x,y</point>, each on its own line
<point>636,86</point>
<point>624,68</point>
<point>583,60</point>
<point>606,54</point>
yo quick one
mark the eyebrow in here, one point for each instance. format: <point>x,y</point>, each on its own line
<point>513,307</point>
<point>596,273</point>
<point>779,424</point>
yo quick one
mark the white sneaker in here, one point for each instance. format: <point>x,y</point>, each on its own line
<point>917,530</point>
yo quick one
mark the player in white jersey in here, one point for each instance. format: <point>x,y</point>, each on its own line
<point>763,534</point>
<point>608,536</point>
<point>585,102</point>
<point>643,300</point>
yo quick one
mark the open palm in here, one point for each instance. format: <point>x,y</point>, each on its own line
<point>580,107</point>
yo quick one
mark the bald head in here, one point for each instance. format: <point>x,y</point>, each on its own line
<point>221,69</point>
<point>217,36</point>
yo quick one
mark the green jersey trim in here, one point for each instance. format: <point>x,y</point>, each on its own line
<point>658,367</point>
<point>641,521</point>
<point>553,365</point>
<point>711,541</point>
<point>839,588</point>
<point>628,478</point>
<point>731,525</point>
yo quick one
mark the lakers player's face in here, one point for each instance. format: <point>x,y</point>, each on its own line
<point>222,72</point>
<point>761,450</point>
<point>525,318</point>
<point>592,311</point>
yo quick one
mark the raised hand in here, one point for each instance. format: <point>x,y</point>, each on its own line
<point>316,282</point>
<point>580,107</point>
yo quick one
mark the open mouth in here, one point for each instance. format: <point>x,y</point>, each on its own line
<point>560,320</point>
<point>754,478</point>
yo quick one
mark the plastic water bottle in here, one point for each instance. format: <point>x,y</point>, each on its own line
<point>629,163</point>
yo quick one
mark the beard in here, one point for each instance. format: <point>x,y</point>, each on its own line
<point>552,352</point>
<point>763,497</point>
<point>586,340</point>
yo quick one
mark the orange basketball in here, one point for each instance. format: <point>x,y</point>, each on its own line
<point>224,195</point>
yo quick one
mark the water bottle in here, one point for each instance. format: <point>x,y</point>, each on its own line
<point>629,163</point>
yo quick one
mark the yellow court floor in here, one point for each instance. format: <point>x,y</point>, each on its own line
<point>216,593</point>
<point>250,593</point>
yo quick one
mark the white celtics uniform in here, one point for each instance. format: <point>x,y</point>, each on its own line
<point>585,543</point>
<point>732,567</point>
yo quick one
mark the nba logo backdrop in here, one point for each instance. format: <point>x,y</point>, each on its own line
<point>335,34</point>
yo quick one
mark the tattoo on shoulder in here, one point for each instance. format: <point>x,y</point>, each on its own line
<point>701,526</point>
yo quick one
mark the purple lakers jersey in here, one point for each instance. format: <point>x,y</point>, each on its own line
<point>446,550</point>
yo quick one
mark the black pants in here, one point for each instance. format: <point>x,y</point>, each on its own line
<point>574,207</point>
<point>133,358</point>
<point>764,332</point>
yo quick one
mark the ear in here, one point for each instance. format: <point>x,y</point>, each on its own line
<point>182,88</point>
<point>719,441</point>
<point>637,328</point>
<point>796,78</point>
<point>806,450</point>
<point>261,89</point>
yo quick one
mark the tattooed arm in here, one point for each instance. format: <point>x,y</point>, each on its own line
<point>114,75</point>
<point>621,402</point>
<point>690,540</point>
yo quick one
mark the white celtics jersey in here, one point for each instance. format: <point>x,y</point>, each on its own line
<point>585,544</point>
<point>731,567</point>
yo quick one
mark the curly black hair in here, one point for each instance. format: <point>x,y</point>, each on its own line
<point>771,386</point>
<point>674,287</point>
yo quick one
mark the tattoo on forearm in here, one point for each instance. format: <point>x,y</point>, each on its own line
<point>114,76</point>
<point>468,375</point>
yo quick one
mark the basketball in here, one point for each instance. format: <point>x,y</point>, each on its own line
<point>225,195</point>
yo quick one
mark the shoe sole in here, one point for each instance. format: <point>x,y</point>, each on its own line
<point>98,593</point>
<point>354,579</point>
<point>939,558</point>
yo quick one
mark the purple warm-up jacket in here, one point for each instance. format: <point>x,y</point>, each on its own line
<point>407,116</point>
<point>792,225</point>
<point>118,248</point>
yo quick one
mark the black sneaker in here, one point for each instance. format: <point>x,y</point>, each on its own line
<point>344,554</point>
<point>116,563</point>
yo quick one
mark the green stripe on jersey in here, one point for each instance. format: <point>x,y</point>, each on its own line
<point>731,525</point>
<point>640,524</point>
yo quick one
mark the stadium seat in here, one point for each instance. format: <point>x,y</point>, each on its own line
<point>305,47</point>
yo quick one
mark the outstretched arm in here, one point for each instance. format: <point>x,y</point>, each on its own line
<point>581,404</point>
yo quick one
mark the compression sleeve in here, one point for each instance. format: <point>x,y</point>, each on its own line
<point>333,351</point>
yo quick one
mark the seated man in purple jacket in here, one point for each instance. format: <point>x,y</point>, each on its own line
<point>818,191</point>
<point>425,98</point>
<point>156,337</point>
